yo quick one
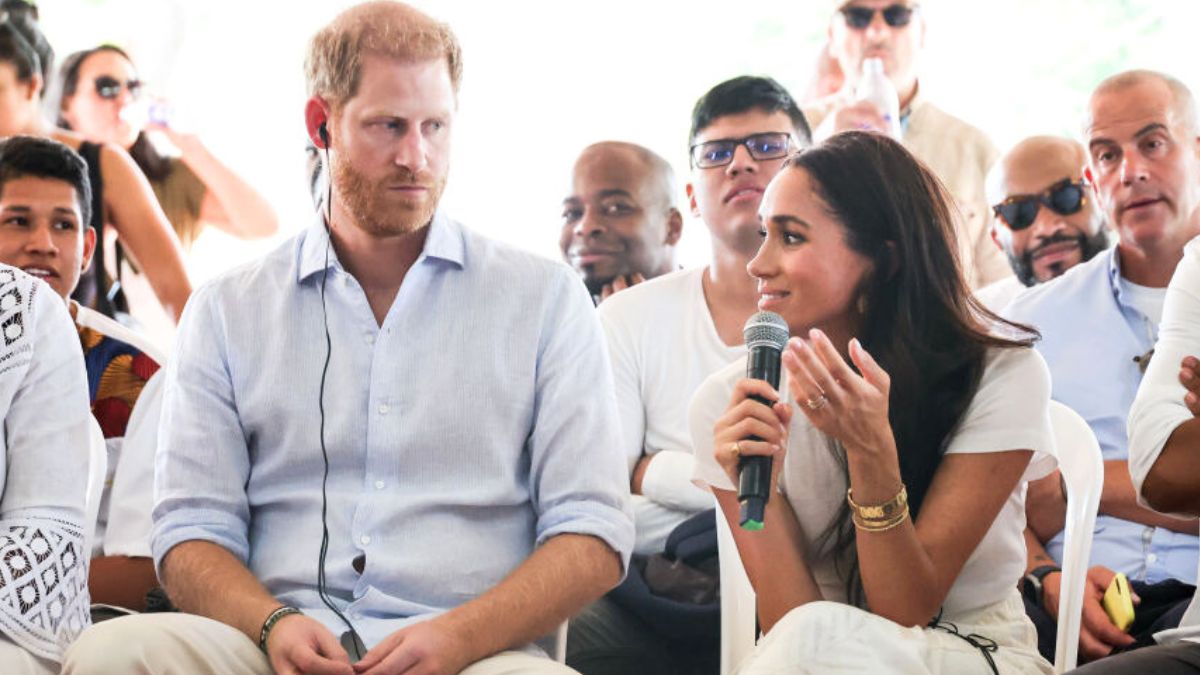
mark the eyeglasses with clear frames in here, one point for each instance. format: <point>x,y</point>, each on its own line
<point>719,152</point>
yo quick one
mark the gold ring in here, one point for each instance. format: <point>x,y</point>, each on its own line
<point>817,403</point>
<point>736,449</point>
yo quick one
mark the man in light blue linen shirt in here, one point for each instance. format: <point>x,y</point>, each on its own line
<point>1099,322</point>
<point>476,494</point>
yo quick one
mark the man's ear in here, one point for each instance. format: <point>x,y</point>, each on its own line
<point>89,247</point>
<point>674,226</point>
<point>691,195</point>
<point>1088,176</point>
<point>316,114</point>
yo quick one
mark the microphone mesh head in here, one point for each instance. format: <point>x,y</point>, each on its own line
<point>766,329</point>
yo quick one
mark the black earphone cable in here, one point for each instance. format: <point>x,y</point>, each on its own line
<point>321,397</point>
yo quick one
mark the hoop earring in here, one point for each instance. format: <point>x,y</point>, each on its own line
<point>861,304</point>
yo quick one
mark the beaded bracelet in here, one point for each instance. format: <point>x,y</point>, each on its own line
<point>272,619</point>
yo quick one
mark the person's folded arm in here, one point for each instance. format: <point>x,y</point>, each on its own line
<point>1164,436</point>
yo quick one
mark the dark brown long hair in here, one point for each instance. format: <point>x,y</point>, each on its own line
<point>153,164</point>
<point>920,320</point>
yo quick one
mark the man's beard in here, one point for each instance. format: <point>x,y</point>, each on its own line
<point>377,212</point>
<point>1088,248</point>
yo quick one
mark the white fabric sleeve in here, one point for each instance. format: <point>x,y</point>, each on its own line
<point>1010,411</point>
<point>668,481</point>
<point>708,404</point>
<point>1159,407</point>
<point>631,412</point>
<point>43,565</point>
<point>132,496</point>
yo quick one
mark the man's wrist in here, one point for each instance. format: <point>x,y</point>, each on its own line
<point>1034,583</point>
<point>269,624</point>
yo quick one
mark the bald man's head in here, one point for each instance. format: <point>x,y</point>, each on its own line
<point>1046,223</point>
<point>619,216</point>
<point>1143,143</point>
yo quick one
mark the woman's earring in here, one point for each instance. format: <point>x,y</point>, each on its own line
<point>861,304</point>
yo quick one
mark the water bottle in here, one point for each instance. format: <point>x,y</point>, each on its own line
<point>876,87</point>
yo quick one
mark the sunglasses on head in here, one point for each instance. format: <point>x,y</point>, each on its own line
<point>1064,198</point>
<point>896,16</point>
<point>109,87</point>
<point>711,154</point>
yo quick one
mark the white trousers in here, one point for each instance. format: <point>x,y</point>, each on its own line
<point>186,644</point>
<point>831,637</point>
<point>14,660</point>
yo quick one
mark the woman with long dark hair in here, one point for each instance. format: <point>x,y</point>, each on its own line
<point>122,199</point>
<point>101,100</point>
<point>893,537</point>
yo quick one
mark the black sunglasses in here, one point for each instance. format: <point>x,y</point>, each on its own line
<point>896,16</point>
<point>1064,198</point>
<point>109,87</point>
<point>711,154</point>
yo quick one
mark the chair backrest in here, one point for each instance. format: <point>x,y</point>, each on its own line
<point>555,644</point>
<point>1082,468</point>
<point>739,619</point>
<point>97,469</point>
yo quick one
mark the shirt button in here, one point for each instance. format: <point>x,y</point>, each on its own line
<point>365,540</point>
<point>383,408</point>
<point>379,485</point>
<point>1152,558</point>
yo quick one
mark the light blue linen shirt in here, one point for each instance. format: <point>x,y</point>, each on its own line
<point>1090,336</point>
<point>477,422</point>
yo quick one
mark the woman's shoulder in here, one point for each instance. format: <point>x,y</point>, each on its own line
<point>1022,364</point>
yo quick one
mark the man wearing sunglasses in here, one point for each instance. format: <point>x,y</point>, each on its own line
<point>1042,217</point>
<point>1099,323</point>
<point>960,154</point>
<point>665,336</point>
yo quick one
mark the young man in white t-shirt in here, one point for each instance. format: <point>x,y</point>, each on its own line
<point>665,336</point>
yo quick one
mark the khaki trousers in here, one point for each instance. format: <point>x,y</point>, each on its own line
<point>185,644</point>
<point>16,661</point>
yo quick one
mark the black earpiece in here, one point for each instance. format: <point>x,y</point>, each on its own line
<point>323,132</point>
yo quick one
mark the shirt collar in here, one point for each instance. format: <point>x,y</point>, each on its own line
<point>445,242</point>
<point>1114,273</point>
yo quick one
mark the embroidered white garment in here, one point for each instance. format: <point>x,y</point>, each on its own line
<point>43,399</point>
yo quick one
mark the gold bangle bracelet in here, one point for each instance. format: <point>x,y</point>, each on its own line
<point>880,512</point>
<point>880,525</point>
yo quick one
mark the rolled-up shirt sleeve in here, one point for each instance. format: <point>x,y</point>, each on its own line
<point>203,461</point>
<point>1159,407</point>
<point>578,474</point>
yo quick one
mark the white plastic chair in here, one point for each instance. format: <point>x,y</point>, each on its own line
<point>1082,468</point>
<point>739,619</point>
<point>555,644</point>
<point>97,470</point>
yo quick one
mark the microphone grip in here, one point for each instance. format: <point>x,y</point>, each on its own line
<point>754,485</point>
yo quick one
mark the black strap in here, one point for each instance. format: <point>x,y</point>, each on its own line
<point>95,289</point>
<point>984,644</point>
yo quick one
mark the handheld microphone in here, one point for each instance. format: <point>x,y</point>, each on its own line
<point>766,335</point>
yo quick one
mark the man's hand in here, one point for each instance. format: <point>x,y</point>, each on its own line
<point>1189,377</point>
<point>301,645</point>
<point>861,116</point>
<point>1097,634</point>
<point>619,284</point>
<point>428,648</point>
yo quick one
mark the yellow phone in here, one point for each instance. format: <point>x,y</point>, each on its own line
<point>1118,603</point>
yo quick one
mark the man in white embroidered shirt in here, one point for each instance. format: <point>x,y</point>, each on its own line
<point>476,496</point>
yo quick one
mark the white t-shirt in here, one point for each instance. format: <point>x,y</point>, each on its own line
<point>1147,300</point>
<point>663,344</point>
<point>123,523</point>
<point>1159,407</point>
<point>1010,411</point>
<point>996,295</point>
